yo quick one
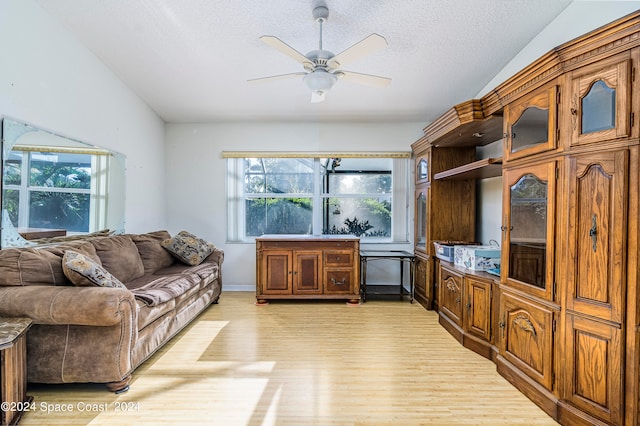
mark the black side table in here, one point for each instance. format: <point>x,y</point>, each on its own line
<point>402,257</point>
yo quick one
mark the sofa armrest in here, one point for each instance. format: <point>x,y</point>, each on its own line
<point>97,306</point>
<point>216,256</point>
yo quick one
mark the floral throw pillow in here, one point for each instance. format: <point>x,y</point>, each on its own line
<point>188,248</point>
<point>84,272</point>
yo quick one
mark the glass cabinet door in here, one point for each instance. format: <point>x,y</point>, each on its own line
<point>600,107</point>
<point>528,228</point>
<point>422,168</point>
<point>530,124</point>
<point>421,219</point>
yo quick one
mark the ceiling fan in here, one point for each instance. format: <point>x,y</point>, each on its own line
<point>322,68</point>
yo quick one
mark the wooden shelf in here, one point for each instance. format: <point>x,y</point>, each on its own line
<point>481,169</point>
<point>465,125</point>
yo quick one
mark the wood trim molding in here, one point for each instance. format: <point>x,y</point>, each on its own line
<point>607,40</point>
<point>302,154</point>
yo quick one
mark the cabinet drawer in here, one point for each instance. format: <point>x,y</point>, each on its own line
<point>338,257</point>
<point>339,281</point>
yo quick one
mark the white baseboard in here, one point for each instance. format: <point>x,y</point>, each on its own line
<point>239,287</point>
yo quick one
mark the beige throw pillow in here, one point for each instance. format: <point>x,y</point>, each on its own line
<point>84,272</point>
<point>188,248</point>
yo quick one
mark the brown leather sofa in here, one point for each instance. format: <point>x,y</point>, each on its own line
<point>94,334</point>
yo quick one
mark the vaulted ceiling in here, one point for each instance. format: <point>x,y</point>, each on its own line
<point>190,60</point>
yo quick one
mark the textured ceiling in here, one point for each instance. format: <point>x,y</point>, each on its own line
<point>190,59</point>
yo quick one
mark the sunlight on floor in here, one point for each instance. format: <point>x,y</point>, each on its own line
<point>180,377</point>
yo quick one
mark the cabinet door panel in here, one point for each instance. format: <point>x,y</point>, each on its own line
<point>600,101</point>
<point>306,276</point>
<point>597,234</point>
<point>528,258</point>
<point>276,272</point>
<point>478,314</point>
<point>422,218</point>
<point>450,300</point>
<point>593,376</point>
<point>423,167</point>
<point>530,124</point>
<point>423,279</point>
<point>527,337</point>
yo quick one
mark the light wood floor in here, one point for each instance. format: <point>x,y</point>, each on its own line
<point>385,362</point>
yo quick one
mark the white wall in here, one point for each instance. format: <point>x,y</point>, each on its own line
<point>578,18</point>
<point>51,81</point>
<point>196,177</point>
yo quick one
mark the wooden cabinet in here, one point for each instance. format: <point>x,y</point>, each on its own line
<point>422,277</point>
<point>421,218</point>
<point>596,262</point>
<point>478,303</point>
<point>531,123</point>
<point>596,285</point>
<point>441,208</point>
<point>297,267</point>
<point>565,317</point>
<point>593,376</point>
<point>423,167</point>
<point>527,336</point>
<point>292,272</point>
<point>465,305</point>
<point>450,287</point>
<point>601,100</point>
<point>528,245</point>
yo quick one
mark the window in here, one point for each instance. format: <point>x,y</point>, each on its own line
<point>366,197</point>
<point>51,189</point>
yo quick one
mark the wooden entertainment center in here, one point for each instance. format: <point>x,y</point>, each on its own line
<point>562,321</point>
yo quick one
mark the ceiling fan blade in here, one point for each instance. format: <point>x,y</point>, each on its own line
<point>364,47</point>
<point>366,79</point>
<point>276,77</point>
<point>317,96</point>
<point>283,47</point>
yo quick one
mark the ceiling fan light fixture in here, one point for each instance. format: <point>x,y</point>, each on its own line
<point>320,80</point>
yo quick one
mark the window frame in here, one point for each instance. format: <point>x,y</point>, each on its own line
<point>98,190</point>
<point>399,196</point>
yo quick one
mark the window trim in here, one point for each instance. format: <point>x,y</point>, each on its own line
<point>401,195</point>
<point>98,190</point>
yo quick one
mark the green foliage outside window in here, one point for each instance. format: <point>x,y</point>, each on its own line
<point>53,208</point>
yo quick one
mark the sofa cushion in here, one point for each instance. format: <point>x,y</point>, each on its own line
<point>84,272</point>
<point>38,266</point>
<point>119,255</point>
<point>206,272</point>
<point>188,248</point>
<point>153,255</point>
<point>148,314</point>
<point>155,290</point>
